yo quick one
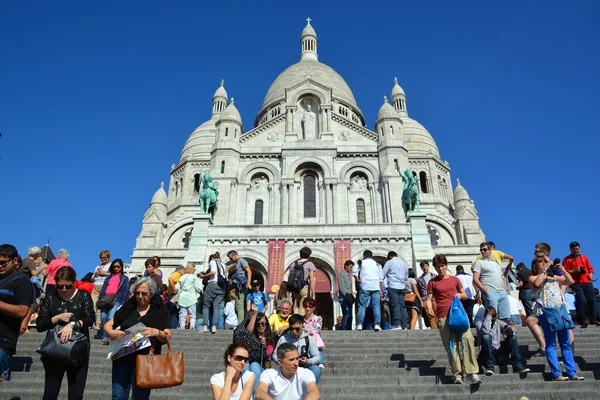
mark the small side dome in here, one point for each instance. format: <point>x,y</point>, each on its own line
<point>397,90</point>
<point>220,92</point>
<point>386,110</point>
<point>460,193</point>
<point>160,197</point>
<point>231,113</point>
<point>417,139</point>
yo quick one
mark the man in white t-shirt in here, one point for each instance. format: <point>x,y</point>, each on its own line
<point>100,274</point>
<point>289,381</point>
<point>516,309</point>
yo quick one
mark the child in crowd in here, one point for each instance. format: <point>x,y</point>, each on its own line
<point>231,319</point>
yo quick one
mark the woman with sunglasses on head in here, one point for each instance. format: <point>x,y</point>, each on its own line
<point>73,310</point>
<point>116,283</point>
<point>145,306</point>
<point>313,324</point>
<point>234,383</point>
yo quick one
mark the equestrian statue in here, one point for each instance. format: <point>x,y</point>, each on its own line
<point>209,195</point>
<point>410,193</point>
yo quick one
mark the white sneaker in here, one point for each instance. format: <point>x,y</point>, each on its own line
<point>377,328</point>
<point>321,365</point>
<point>359,327</point>
<point>214,329</point>
<point>396,328</point>
<point>458,381</point>
<point>205,328</point>
<point>474,378</point>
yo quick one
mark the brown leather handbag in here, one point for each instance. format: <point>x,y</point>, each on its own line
<point>160,370</point>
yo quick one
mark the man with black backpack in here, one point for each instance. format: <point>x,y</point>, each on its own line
<point>243,277</point>
<point>213,292</point>
<point>302,279</point>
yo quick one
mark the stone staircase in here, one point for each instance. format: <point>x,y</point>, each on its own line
<point>359,365</point>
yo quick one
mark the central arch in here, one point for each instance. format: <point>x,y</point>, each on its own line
<point>259,272</point>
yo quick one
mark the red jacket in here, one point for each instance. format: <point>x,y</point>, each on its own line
<point>572,264</point>
<point>87,286</point>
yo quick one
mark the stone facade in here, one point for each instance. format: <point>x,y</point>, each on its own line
<point>309,173</point>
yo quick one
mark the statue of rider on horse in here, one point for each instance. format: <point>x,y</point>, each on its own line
<point>209,195</point>
<point>410,194</point>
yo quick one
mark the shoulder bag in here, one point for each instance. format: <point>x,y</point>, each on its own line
<point>73,352</point>
<point>175,299</point>
<point>107,301</point>
<point>160,370</point>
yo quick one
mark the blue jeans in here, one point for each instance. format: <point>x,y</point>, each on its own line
<point>346,315</point>
<point>123,379</point>
<point>508,347</point>
<point>257,370</point>
<point>399,315</point>
<point>173,313</point>
<point>107,315</point>
<point>363,302</point>
<point>5,357</point>
<point>564,339</point>
<point>498,300</point>
<point>527,297</point>
<point>317,371</point>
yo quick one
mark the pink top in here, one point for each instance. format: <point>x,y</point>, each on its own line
<point>113,284</point>
<point>54,266</point>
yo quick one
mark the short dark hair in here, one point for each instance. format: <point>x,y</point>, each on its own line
<point>367,254</point>
<point>573,244</point>
<point>459,268</point>
<point>157,259</point>
<point>424,262</point>
<point>9,251</point>
<point>296,319</point>
<point>111,269</point>
<point>88,277</point>
<point>492,244</point>
<point>392,254</point>
<point>348,262</point>
<point>520,265</point>
<point>305,252</point>
<point>231,253</point>
<point>542,246</point>
<point>285,348</point>
<point>65,274</point>
<point>486,244</point>
<point>149,261</point>
<point>440,259</point>
<point>411,273</point>
<point>309,302</point>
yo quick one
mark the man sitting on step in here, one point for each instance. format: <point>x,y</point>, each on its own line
<point>290,381</point>
<point>498,340</point>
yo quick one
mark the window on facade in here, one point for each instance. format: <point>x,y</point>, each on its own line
<point>391,130</point>
<point>396,164</point>
<point>226,131</point>
<point>361,218</point>
<point>196,183</point>
<point>423,179</point>
<point>258,212</point>
<point>222,167</point>
<point>310,203</point>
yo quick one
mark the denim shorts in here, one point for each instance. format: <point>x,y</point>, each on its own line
<point>5,357</point>
<point>498,300</point>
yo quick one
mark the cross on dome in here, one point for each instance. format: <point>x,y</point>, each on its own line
<point>308,20</point>
<point>457,181</point>
<point>385,100</point>
<point>222,82</point>
<point>395,80</point>
<point>162,185</point>
<point>232,101</point>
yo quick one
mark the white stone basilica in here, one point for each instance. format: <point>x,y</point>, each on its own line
<point>309,173</point>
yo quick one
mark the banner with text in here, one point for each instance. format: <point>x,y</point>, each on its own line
<point>276,263</point>
<point>343,252</point>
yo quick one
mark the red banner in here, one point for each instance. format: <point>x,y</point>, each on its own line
<point>276,263</point>
<point>323,284</point>
<point>343,252</point>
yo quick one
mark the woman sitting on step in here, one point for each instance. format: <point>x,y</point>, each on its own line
<point>234,383</point>
<point>70,310</point>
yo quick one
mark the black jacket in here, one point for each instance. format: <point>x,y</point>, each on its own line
<point>80,305</point>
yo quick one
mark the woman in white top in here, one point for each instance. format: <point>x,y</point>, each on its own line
<point>233,383</point>
<point>413,299</point>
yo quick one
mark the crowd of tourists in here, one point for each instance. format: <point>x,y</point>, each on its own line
<point>277,349</point>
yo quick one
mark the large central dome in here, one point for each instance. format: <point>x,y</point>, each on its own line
<point>305,70</point>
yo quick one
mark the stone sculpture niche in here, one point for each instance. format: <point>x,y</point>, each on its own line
<point>310,120</point>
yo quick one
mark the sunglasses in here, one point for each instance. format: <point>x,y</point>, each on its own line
<point>296,329</point>
<point>262,324</point>
<point>4,262</point>
<point>64,287</point>
<point>237,357</point>
<point>144,294</point>
<point>482,250</point>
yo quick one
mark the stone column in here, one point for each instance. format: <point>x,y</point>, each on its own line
<point>197,252</point>
<point>421,242</point>
<point>293,206</point>
<point>286,203</point>
<point>233,205</point>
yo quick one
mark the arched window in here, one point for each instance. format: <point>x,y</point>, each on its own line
<point>361,218</point>
<point>226,131</point>
<point>222,167</point>
<point>396,166</point>
<point>196,183</point>
<point>423,179</point>
<point>391,130</point>
<point>258,212</point>
<point>310,197</point>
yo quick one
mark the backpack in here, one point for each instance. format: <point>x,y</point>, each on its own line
<point>296,280</point>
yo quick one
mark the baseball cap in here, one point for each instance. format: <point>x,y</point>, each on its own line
<point>255,283</point>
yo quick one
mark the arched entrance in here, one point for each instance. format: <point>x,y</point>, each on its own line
<point>324,286</point>
<point>259,272</point>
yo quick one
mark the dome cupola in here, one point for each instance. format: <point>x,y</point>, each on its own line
<point>308,41</point>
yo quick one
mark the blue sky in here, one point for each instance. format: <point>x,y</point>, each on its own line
<point>98,98</point>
